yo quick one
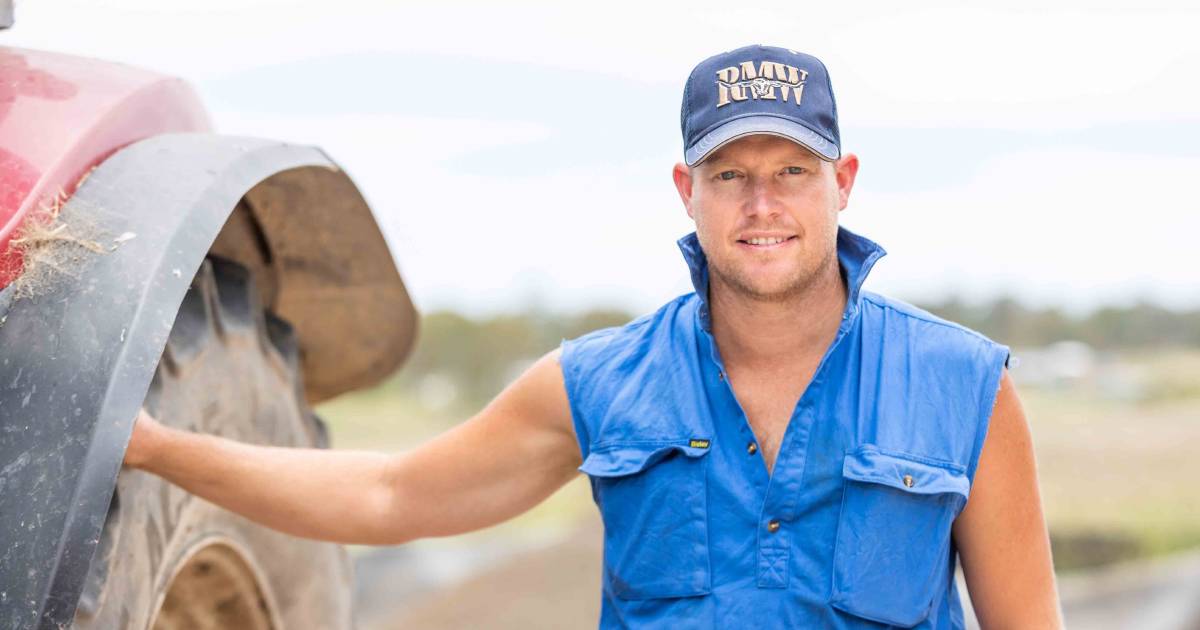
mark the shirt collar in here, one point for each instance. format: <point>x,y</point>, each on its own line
<point>856,256</point>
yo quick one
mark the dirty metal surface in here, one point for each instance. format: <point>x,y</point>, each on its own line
<point>76,361</point>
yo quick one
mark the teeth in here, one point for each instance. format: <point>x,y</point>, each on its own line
<point>766,241</point>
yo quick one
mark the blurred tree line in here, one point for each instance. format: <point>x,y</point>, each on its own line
<point>478,357</point>
<point>1142,325</point>
<point>460,363</point>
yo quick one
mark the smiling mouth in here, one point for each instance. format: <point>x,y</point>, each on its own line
<point>766,243</point>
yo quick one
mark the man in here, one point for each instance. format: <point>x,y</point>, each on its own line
<point>778,449</point>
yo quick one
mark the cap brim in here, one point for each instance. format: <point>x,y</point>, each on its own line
<point>750,125</point>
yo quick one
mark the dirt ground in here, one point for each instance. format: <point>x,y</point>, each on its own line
<point>557,587</point>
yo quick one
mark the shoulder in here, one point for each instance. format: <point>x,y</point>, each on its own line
<point>960,367</point>
<point>623,367</point>
<point>928,332</point>
<point>920,316</point>
<point>617,344</point>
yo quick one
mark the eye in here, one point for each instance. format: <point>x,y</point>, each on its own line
<point>726,175</point>
<point>795,170</point>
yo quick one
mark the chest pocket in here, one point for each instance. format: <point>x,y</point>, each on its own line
<point>891,557</point>
<point>653,498</point>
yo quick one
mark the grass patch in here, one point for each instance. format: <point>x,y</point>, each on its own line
<point>1117,477</point>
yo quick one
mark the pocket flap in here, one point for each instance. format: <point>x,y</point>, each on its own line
<point>618,459</point>
<point>912,474</point>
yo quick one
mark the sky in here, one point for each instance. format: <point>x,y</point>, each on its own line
<point>519,154</point>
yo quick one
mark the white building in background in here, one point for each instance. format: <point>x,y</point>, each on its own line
<point>1071,364</point>
<point>1062,363</point>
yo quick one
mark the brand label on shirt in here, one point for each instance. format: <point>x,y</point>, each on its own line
<point>698,444</point>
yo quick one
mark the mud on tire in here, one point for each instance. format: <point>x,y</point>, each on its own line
<point>167,559</point>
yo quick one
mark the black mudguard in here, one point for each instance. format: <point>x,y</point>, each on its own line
<point>76,361</point>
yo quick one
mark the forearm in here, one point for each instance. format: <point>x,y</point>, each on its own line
<point>311,493</point>
<point>437,492</point>
<point>499,463</point>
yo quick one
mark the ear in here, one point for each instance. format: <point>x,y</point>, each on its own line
<point>846,169</point>
<point>683,184</point>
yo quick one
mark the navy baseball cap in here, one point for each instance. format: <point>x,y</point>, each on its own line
<point>759,89</point>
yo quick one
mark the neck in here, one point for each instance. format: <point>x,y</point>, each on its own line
<point>757,333</point>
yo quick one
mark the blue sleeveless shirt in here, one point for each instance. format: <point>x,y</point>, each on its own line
<point>852,527</point>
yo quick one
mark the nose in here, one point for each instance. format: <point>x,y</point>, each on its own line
<point>761,201</point>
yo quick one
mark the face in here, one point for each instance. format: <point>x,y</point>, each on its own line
<point>766,214</point>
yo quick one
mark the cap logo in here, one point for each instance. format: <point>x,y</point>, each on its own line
<point>747,81</point>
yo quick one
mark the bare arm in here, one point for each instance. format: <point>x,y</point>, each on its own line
<point>1001,533</point>
<point>501,462</point>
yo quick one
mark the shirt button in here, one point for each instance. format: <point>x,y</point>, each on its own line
<point>752,448</point>
<point>773,526</point>
<point>721,375</point>
<point>908,481</point>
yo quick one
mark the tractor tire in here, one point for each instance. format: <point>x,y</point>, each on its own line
<point>169,560</point>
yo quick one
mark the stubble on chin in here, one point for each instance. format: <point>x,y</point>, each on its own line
<point>802,277</point>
